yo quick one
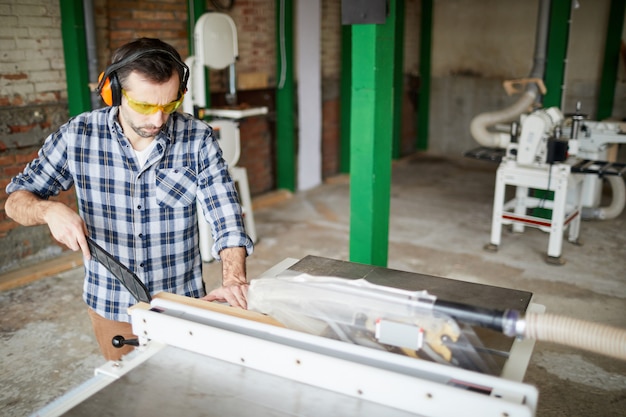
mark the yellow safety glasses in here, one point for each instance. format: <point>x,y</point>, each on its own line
<point>147,108</point>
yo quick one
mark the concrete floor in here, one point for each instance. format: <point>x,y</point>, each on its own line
<point>440,221</point>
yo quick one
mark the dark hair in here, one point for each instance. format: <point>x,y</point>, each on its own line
<point>152,58</point>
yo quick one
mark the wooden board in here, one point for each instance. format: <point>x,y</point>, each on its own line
<point>63,262</point>
<point>211,306</point>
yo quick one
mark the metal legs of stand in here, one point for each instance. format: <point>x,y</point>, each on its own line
<point>556,178</point>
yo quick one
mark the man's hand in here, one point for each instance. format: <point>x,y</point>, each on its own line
<point>234,289</point>
<point>234,295</point>
<point>66,226</point>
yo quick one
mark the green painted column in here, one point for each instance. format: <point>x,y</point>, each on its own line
<point>396,13</point>
<point>346,92</point>
<point>423,104</point>
<point>195,9</point>
<point>371,126</point>
<point>610,63</point>
<point>558,34</point>
<point>285,101</point>
<point>75,54</point>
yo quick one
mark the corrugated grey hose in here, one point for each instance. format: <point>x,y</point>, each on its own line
<point>593,337</point>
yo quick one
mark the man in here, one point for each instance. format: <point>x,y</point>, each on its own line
<point>137,167</point>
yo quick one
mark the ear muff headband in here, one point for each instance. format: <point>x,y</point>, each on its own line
<point>109,86</point>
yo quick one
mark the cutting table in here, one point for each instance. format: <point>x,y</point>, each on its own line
<point>196,361</point>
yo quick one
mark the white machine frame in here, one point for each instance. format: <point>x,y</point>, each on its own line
<point>557,178</point>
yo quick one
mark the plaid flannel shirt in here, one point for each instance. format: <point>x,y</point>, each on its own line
<point>145,217</point>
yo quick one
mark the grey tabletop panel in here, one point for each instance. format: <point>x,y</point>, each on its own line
<point>176,382</point>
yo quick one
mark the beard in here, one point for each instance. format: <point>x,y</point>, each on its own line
<point>145,131</point>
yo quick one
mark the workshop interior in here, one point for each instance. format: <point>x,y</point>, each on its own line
<point>352,334</point>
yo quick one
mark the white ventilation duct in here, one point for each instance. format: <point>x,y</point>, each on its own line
<point>481,123</point>
<point>479,127</point>
<point>618,202</point>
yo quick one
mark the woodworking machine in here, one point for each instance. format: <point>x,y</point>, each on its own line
<point>200,358</point>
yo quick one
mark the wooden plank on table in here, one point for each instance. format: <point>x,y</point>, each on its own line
<point>215,307</point>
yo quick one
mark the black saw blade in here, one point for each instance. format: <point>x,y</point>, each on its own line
<point>124,275</point>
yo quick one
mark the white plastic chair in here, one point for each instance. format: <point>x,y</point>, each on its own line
<point>227,132</point>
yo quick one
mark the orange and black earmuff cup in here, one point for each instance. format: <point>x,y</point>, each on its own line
<point>110,89</point>
<point>105,90</point>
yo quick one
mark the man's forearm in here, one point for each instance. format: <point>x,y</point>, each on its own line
<point>233,266</point>
<point>26,208</point>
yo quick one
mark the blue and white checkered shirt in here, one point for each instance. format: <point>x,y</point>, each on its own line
<point>145,217</point>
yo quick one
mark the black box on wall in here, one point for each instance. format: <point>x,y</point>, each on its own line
<point>355,12</point>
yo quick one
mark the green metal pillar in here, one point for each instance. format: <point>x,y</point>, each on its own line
<point>558,34</point>
<point>610,64</point>
<point>423,104</point>
<point>371,125</point>
<point>285,117</point>
<point>346,91</point>
<point>195,9</point>
<point>396,13</point>
<point>75,53</point>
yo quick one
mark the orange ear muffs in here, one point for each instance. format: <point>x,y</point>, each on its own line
<point>105,90</point>
<point>110,89</point>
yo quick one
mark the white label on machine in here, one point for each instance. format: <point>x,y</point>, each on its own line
<point>399,334</point>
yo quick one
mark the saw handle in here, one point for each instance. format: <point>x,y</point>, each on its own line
<point>119,342</point>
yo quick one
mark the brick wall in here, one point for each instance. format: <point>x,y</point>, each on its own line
<point>32,67</point>
<point>257,155</point>
<point>255,21</point>
<point>33,102</point>
<point>331,71</point>
<point>128,20</point>
<point>331,39</point>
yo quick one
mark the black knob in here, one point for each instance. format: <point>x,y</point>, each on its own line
<point>119,342</point>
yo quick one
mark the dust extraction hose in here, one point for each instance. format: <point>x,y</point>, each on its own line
<point>617,205</point>
<point>593,337</point>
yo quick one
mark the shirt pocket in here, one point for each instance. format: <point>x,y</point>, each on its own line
<point>176,187</point>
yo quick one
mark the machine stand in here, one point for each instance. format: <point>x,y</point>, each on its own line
<point>554,177</point>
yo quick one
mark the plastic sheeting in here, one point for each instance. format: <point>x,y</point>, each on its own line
<point>359,312</point>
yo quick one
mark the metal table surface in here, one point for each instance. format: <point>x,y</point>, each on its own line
<point>178,382</point>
